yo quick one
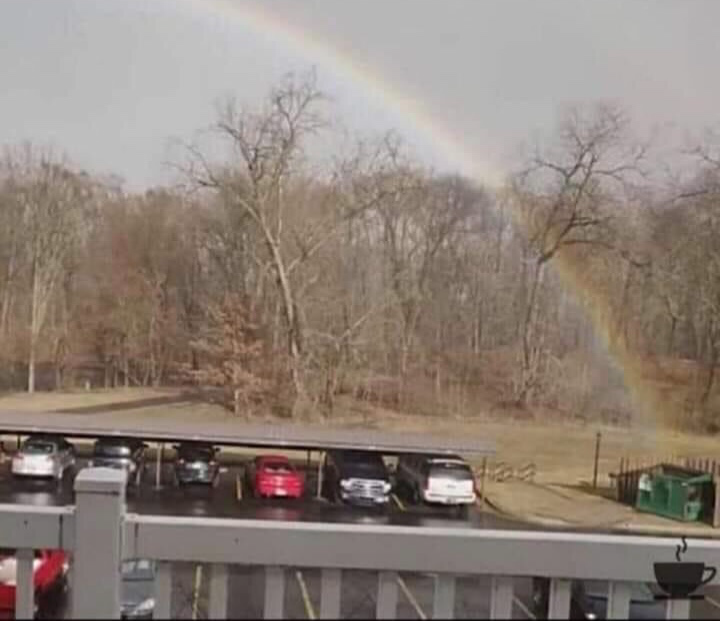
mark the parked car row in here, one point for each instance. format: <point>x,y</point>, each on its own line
<point>349,476</point>
<point>361,477</point>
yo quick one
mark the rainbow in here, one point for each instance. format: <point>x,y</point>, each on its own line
<point>367,82</point>
<point>648,403</point>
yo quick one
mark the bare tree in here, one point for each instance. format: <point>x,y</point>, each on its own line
<point>268,146</point>
<point>52,199</point>
<point>563,197</point>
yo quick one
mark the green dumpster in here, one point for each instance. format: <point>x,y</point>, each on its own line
<point>673,492</point>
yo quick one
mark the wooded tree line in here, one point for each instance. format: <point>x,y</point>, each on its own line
<point>305,288</point>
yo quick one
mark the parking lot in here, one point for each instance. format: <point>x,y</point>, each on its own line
<point>230,499</point>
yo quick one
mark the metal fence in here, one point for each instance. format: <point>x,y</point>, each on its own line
<point>100,533</point>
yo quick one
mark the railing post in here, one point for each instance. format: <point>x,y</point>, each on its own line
<point>330,585</point>
<point>218,591</point>
<point>386,607</point>
<point>559,604</point>
<point>677,609</point>
<point>444,597</point>
<point>501,597</point>
<point>24,590</point>
<point>99,515</point>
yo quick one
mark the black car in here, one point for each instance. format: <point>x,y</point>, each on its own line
<point>123,453</point>
<point>357,477</point>
<point>589,600</point>
<point>138,589</point>
<point>196,463</point>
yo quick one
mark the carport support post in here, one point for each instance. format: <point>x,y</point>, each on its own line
<point>158,463</point>
<point>482,484</point>
<point>99,515</point>
<point>319,474</point>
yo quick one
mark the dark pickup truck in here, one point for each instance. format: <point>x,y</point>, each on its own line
<point>357,477</point>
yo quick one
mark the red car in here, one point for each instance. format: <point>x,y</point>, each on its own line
<point>274,475</point>
<point>49,573</point>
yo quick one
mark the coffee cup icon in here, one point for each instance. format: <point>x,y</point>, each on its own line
<point>680,580</point>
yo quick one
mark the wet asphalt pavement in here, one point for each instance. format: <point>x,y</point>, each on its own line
<point>229,499</point>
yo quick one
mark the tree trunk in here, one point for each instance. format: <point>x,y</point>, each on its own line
<point>7,298</point>
<point>528,361</point>
<point>31,366</point>
<point>292,321</point>
<point>237,402</point>
<point>126,365</point>
<point>34,328</point>
<point>671,336</point>
<point>712,368</point>
<point>58,377</point>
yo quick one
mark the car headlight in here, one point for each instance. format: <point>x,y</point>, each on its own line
<point>590,615</point>
<point>387,487</point>
<point>147,606</point>
<point>345,484</point>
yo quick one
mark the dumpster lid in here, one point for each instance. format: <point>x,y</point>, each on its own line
<point>686,475</point>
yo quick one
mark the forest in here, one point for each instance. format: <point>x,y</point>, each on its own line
<point>586,286</point>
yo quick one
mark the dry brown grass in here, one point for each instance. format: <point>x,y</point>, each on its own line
<point>562,451</point>
<point>47,401</point>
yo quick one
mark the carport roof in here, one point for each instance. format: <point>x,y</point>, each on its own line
<point>238,433</point>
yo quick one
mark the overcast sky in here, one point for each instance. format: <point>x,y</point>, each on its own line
<point>111,81</point>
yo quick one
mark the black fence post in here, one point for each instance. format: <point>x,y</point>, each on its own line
<point>597,457</point>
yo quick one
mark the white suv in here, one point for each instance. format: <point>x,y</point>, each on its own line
<point>446,480</point>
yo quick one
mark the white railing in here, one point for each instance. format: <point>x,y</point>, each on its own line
<point>99,533</point>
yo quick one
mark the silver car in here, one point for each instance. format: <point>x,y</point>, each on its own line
<point>43,456</point>
<point>138,589</point>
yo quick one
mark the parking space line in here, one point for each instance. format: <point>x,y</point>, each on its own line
<point>411,598</point>
<point>523,608</point>
<point>398,502</point>
<point>309,610</point>
<point>196,591</point>
<point>712,601</point>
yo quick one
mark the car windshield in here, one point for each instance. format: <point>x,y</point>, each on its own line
<point>137,570</point>
<point>451,470</point>
<point>277,467</point>
<point>192,453</point>
<point>112,450</point>
<point>364,465</point>
<point>38,448</point>
<point>352,457</point>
